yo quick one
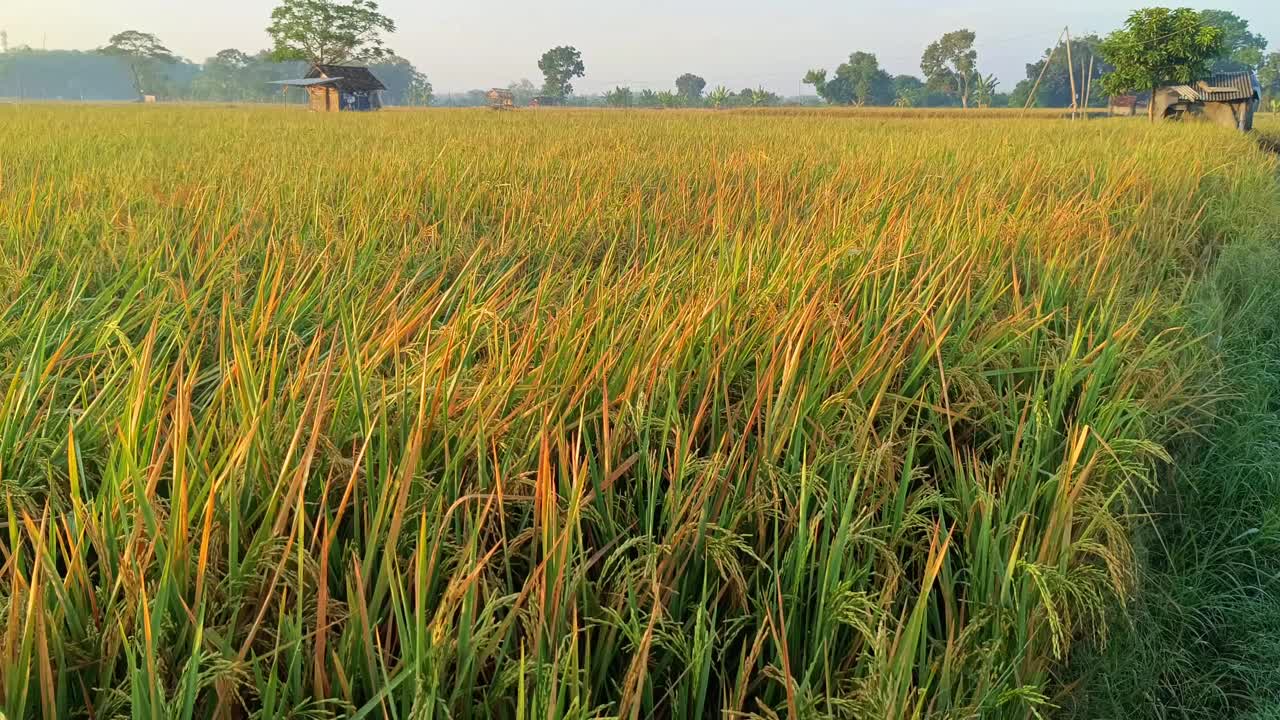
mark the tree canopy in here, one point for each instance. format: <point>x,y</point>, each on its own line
<point>690,87</point>
<point>950,63</point>
<point>1241,49</point>
<point>1269,75</point>
<point>1159,46</point>
<point>559,66</point>
<point>326,32</point>
<point>1055,81</point>
<point>144,53</point>
<point>858,81</point>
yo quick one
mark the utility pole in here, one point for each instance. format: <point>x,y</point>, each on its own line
<point>1071,73</point>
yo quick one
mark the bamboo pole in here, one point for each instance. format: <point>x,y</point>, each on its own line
<point>1071,73</point>
<point>1088,87</point>
<point>1032,97</point>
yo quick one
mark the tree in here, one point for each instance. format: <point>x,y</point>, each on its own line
<point>143,52</point>
<point>690,87</point>
<point>619,97</point>
<point>1159,46</point>
<point>1269,75</point>
<point>224,76</point>
<point>405,84</point>
<point>668,99</point>
<point>559,66</point>
<point>1241,49</point>
<point>718,97</point>
<point>761,97</point>
<point>950,63</point>
<point>984,89</point>
<point>648,99</point>
<point>523,91</point>
<point>859,81</point>
<point>326,32</point>
<point>1055,80</point>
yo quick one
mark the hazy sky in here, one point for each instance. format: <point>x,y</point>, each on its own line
<point>462,44</point>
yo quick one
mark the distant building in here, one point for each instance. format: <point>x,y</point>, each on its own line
<point>1123,105</point>
<point>545,101</point>
<point>339,88</point>
<point>500,99</point>
<point>1227,99</point>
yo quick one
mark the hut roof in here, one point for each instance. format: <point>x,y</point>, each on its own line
<point>1221,87</point>
<point>347,78</point>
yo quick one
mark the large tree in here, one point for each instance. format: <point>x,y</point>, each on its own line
<point>325,32</point>
<point>1159,46</point>
<point>1241,49</point>
<point>405,84</point>
<point>559,66</point>
<point>951,64</point>
<point>225,76</point>
<point>690,87</point>
<point>144,53</point>
<point>1269,75</point>
<point>860,81</point>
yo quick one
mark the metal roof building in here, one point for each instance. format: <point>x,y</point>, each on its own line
<point>1229,99</point>
<point>339,88</point>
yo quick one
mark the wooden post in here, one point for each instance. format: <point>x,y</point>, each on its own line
<point>1071,73</point>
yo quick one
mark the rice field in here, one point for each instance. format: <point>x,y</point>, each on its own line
<point>587,414</point>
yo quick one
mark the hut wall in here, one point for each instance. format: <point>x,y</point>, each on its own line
<point>323,99</point>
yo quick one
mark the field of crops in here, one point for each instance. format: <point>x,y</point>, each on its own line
<point>586,414</point>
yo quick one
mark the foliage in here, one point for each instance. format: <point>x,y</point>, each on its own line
<point>329,32</point>
<point>1204,637</point>
<point>559,66</point>
<point>405,84</point>
<point>1159,46</point>
<point>1241,49</point>
<point>146,57</point>
<point>1269,74</point>
<point>1055,81</point>
<point>718,97</point>
<point>785,419</point>
<point>523,91</point>
<point>860,81</point>
<point>984,89</point>
<point>619,97</point>
<point>65,75</point>
<point>648,99</point>
<point>690,87</point>
<point>668,99</point>
<point>950,63</point>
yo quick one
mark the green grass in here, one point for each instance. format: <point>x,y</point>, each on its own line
<point>586,414</point>
<point>1203,639</point>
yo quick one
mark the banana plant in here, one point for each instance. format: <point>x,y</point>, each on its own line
<point>718,97</point>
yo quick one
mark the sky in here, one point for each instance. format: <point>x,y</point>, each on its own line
<point>468,44</point>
